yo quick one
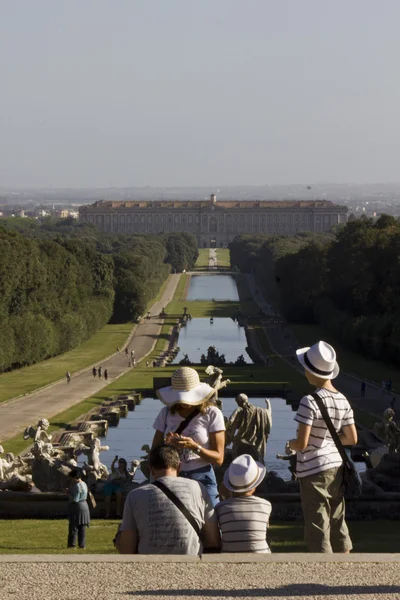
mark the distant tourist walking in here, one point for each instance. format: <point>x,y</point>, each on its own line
<point>132,353</point>
<point>127,351</point>
<point>105,374</point>
<point>94,371</point>
<point>68,376</point>
<point>243,518</point>
<point>78,510</point>
<point>192,423</point>
<point>319,464</point>
<point>100,372</point>
<point>147,363</point>
<point>134,362</point>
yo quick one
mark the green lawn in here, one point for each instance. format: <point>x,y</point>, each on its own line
<point>202,261</point>
<point>102,344</point>
<point>350,361</point>
<point>223,257</point>
<point>50,536</point>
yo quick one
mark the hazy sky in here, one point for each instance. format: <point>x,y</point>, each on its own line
<point>183,92</point>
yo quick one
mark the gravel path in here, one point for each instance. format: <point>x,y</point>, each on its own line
<point>295,581</point>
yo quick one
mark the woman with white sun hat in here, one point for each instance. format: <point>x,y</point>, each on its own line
<point>192,423</point>
<point>319,464</point>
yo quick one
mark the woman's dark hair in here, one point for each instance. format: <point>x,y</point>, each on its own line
<point>122,460</point>
<point>164,457</point>
<point>75,474</point>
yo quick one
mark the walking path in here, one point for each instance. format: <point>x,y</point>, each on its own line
<point>16,414</point>
<point>214,576</point>
<point>284,344</point>
<point>212,259</point>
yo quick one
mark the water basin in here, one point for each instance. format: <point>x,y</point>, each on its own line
<point>137,429</point>
<point>209,287</point>
<point>223,333</point>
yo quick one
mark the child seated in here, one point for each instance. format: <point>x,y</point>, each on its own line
<point>243,518</point>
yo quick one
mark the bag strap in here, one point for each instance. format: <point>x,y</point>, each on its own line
<point>179,505</point>
<point>330,427</point>
<point>186,422</point>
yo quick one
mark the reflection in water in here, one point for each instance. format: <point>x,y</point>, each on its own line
<point>209,287</point>
<point>137,429</point>
<point>224,334</point>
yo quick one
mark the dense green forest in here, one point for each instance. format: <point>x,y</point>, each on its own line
<point>61,281</point>
<point>348,282</point>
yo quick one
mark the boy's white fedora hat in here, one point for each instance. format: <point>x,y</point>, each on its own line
<point>244,474</point>
<point>186,388</point>
<point>320,360</point>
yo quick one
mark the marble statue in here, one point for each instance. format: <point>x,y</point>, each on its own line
<point>93,464</point>
<point>40,433</point>
<point>250,424</point>
<point>216,381</point>
<point>389,431</point>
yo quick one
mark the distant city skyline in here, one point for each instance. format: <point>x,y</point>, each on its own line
<point>99,95</point>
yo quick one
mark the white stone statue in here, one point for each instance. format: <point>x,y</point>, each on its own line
<point>249,424</point>
<point>93,464</point>
<point>40,433</point>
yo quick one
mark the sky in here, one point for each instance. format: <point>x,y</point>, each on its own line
<point>104,93</point>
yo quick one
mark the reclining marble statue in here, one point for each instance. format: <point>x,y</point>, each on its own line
<point>249,424</point>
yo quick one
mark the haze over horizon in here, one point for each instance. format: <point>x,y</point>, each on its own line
<point>178,94</point>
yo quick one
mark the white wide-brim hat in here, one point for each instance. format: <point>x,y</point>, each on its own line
<point>186,388</point>
<point>320,360</point>
<point>244,474</point>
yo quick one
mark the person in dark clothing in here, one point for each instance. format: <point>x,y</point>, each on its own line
<point>363,386</point>
<point>105,374</point>
<point>100,372</point>
<point>94,371</point>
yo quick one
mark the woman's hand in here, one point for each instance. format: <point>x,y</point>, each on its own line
<point>181,441</point>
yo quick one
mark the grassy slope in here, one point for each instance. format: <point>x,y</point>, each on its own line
<point>350,361</point>
<point>223,257</point>
<point>202,261</point>
<point>49,537</point>
<point>102,344</point>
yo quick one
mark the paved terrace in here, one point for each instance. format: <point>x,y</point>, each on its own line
<point>274,576</point>
<point>16,414</point>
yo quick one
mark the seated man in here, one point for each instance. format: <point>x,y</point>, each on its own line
<point>243,518</point>
<point>152,524</point>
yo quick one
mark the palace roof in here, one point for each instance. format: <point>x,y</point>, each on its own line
<point>197,204</point>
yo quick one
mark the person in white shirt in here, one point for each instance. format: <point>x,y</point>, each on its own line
<point>319,464</point>
<point>200,438</point>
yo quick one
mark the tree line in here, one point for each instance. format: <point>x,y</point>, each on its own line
<point>61,281</point>
<point>348,282</point>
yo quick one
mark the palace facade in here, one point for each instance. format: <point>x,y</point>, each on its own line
<point>214,223</point>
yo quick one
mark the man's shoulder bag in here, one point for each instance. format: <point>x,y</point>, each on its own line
<point>351,478</point>
<point>179,505</point>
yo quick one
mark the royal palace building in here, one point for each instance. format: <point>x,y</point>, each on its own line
<point>214,223</point>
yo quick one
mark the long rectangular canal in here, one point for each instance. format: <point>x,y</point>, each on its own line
<point>137,429</point>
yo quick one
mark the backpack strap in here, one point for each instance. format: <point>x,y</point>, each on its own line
<point>330,426</point>
<point>179,505</point>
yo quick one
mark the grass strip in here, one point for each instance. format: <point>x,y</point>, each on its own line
<point>104,343</point>
<point>42,536</point>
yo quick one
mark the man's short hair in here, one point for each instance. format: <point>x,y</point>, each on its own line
<point>164,457</point>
